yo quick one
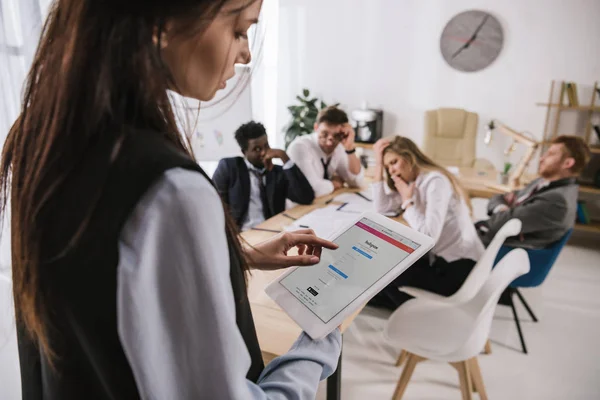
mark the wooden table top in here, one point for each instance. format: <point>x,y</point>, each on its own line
<point>276,330</point>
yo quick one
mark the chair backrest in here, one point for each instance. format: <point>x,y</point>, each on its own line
<point>481,271</point>
<point>450,136</point>
<point>483,305</point>
<point>450,332</point>
<point>541,261</point>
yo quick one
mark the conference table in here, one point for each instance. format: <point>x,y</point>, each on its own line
<point>275,329</point>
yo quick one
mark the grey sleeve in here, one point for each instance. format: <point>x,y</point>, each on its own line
<point>495,202</point>
<point>175,305</point>
<point>499,198</point>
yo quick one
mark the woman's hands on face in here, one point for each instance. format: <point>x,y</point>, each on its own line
<point>272,253</point>
<point>406,190</point>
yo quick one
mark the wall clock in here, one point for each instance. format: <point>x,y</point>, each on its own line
<point>471,41</point>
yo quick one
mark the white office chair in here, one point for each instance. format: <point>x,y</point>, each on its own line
<point>479,273</point>
<point>454,333</point>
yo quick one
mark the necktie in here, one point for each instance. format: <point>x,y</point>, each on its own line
<point>263,192</point>
<point>325,166</point>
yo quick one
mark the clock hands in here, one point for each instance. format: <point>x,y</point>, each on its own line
<point>472,38</point>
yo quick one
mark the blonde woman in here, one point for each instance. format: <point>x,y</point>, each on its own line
<point>432,202</point>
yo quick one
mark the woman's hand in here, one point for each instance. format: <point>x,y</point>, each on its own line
<point>406,190</point>
<point>272,253</point>
<point>378,148</point>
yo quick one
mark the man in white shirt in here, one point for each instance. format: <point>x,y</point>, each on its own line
<point>253,188</point>
<point>327,157</point>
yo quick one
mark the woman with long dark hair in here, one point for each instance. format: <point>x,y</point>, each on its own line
<point>128,276</point>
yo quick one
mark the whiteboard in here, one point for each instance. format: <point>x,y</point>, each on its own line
<point>210,126</point>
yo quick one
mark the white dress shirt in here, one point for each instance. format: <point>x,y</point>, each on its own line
<point>437,212</point>
<point>307,154</point>
<point>255,208</point>
<point>176,310</point>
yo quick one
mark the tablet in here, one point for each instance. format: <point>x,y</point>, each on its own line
<point>373,250</point>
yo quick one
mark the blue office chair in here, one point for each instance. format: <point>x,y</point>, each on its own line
<point>541,262</point>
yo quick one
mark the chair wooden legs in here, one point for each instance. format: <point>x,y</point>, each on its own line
<point>477,378</point>
<point>464,374</point>
<point>411,363</point>
<point>469,375</point>
<point>401,358</point>
<point>488,347</point>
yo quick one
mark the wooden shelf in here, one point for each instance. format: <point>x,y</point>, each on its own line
<point>593,227</point>
<point>589,189</point>
<point>364,145</point>
<point>595,149</point>
<point>574,108</point>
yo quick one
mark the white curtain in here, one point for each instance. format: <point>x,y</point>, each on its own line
<point>20,26</point>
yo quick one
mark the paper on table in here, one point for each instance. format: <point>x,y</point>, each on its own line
<point>355,197</point>
<point>324,221</point>
<point>356,203</point>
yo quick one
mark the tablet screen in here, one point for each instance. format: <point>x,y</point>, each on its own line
<point>367,251</point>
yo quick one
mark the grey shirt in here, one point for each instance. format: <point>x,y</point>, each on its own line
<point>176,311</point>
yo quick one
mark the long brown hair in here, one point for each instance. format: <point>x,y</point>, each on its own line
<point>96,70</point>
<point>410,152</point>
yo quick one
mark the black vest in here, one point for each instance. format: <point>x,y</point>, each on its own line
<point>82,278</point>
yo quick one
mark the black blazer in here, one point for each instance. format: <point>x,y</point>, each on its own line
<point>232,180</point>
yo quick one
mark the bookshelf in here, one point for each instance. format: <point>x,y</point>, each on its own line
<point>571,108</point>
<point>589,189</point>
<point>593,227</point>
<point>584,108</point>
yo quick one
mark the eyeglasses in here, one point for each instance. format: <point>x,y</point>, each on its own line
<point>335,137</point>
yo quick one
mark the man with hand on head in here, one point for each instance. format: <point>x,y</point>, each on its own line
<point>253,187</point>
<point>547,206</point>
<point>327,157</point>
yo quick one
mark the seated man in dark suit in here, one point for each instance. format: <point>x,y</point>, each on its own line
<point>547,206</point>
<point>254,188</point>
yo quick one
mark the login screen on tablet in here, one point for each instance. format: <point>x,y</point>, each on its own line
<point>367,251</point>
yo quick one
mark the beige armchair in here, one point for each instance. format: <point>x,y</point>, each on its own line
<point>450,135</point>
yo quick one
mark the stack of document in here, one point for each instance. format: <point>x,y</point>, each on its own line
<point>324,221</point>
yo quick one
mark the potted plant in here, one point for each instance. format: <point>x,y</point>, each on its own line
<point>304,116</point>
<point>504,174</point>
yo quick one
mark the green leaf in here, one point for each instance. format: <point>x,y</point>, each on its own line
<point>306,92</point>
<point>323,105</point>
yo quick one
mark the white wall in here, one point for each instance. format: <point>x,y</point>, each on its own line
<point>386,52</point>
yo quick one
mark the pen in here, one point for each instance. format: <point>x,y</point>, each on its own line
<point>266,230</point>
<point>303,226</point>
<point>363,196</point>
<point>288,216</point>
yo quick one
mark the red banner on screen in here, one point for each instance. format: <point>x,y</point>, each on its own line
<point>385,237</point>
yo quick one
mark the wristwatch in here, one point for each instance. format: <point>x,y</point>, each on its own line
<point>406,203</point>
<point>351,151</point>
